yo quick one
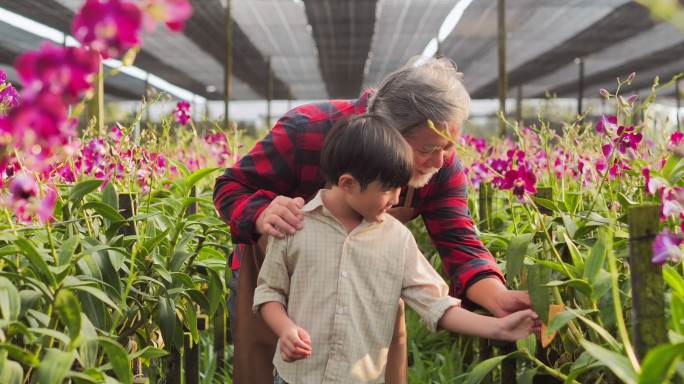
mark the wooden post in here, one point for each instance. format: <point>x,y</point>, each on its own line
<point>580,85</point>
<point>220,335</point>
<point>191,359</point>
<point>649,327</point>
<point>269,92</point>
<point>486,196</point>
<point>503,76</point>
<point>173,365</point>
<point>228,68</point>
<point>127,208</point>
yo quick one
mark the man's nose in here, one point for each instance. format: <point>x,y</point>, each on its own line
<point>437,159</point>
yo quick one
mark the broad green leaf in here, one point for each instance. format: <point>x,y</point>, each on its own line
<point>11,373</point>
<point>67,250</point>
<point>598,329</point>
<point>216,291</point>
<point>185,172</point>
<point>68,309</point>
<point>82,188</point>
<point>515,255</point>
<point>674,279</point>
<point>95,292</point>
<point>198,175</point>
<point>19,354</point>
<point>36,260</point>
<point>575,253</point>
<point>149,352</point>
<point>110,196</point>
<point>548,204</point>
<point>481,370</point>
<point>105,210</point>
<point>10,301</point>
<point>167,320</point>
<point>54,366</point>
<point>578,284</point>
<point>87,352</point>
<point>569,224</point>
<point>616,362</point>
<point>537,276</point>
<point>677,313</point>
<point>53,334</point>
<point>118,358</point>
<point>558,267</point>
<point>529,343</point>
<point>658,365</point>
<point>564,317</point>
<point>596,258</point>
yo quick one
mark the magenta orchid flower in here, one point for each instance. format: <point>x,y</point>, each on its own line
<point>182,112</point>
<point>46,207</point>
<point>110,27</point>
<point>520,180</point>
<point>606,124</point>
<point>174,13</point>
<point>666,247</point>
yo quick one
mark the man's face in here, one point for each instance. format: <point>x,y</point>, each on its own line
<point>430,150</point>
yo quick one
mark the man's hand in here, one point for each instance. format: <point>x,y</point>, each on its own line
<point>491,294</point>
<point>282,216</point>
<point>295,344</point>
<point>517,325</point>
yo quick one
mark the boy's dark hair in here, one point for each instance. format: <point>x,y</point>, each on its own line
<point>369,149</point>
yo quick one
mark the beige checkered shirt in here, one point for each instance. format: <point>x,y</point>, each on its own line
<point>344,289</point>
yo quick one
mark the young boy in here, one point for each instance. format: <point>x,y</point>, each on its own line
<point>330,292</point>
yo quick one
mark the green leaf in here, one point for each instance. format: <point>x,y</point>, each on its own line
<point>95,292</point>
<point>36,260</point>
<point>105,210</point>
<point>149,352</point>
<point>67,250</point>
<point>110,196</point>
<point>569,224</point>
<point>118,358</point>
<point>69,311</point>
<point>10,301</point>
<point>564,317</point>
<point>578,284</point>
<point>673,279</point>
<point>88,349</point>
<point>82,188</point>
<point>597,258</point>
<point>548,204</point>
<point>167,320</point>
<point>613,361</point>
<point>537,276</point>
<point>216,291</point>
<point>658,365</point>
<point>198,175</point>
<point>185,172</point>
<point>52,333</point>
<point>515,255</point>
<point>577,259</point>
<point>11,373</point>
<point>529,344</point>
<point>677,313</point>
<point>481,370</point>
<point>54,367</point>
<point>19,354</point>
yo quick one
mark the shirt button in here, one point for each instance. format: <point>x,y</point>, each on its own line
<point>340,310</point>
<point>344,274</point>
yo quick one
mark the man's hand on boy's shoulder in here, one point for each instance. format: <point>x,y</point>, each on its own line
<point>295,344</point>
<point>282,216</point>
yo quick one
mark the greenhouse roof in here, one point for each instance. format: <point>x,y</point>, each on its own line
<point>335,48</point>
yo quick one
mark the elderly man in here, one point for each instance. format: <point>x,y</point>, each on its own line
<point>263,194</point>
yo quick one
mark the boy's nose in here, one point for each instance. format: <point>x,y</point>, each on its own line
<point>395,197</point>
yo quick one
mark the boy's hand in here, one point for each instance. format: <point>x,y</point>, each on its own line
<point>282,216</point>
<point>517,325</point>
<point>295,344</point>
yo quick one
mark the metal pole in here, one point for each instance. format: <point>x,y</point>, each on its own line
<point>503,80</point>
<point>269,92</point>
<point>228,67</point>
<point>580,85</point>
<point>518,106</point>
<point>679,104</point>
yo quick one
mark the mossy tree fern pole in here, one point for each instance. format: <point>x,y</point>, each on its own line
<point>649,326</point>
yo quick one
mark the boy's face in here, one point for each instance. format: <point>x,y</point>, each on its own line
<point>430,150</point>
<point>372,202</point>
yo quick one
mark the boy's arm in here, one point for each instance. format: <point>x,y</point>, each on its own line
<point>270,300</point>
<point>510,328</point>
<point>427,293</point>
<point>295,342</point>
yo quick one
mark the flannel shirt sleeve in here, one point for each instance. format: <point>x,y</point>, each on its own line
<point>248,187</point>
<point>447,219</point>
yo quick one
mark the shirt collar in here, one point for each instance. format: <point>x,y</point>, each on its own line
<point>361,104</point>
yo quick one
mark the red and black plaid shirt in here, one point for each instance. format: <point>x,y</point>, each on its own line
<point>286,162</point>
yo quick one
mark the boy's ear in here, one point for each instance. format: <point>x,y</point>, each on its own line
<point>347,182</point>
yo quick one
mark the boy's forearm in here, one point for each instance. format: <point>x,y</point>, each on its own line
<point>459,320</point>
<point>276,317</point>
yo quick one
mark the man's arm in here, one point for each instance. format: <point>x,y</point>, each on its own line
<point>244,191</point>
<point>447,219</point>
